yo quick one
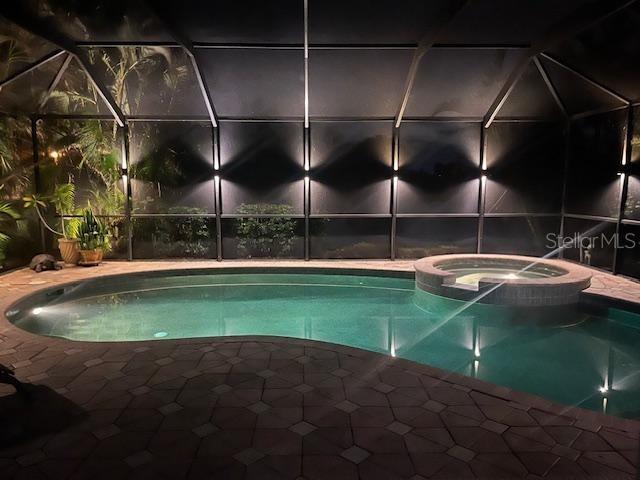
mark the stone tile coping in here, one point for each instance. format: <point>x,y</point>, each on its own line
<point>563,288</point>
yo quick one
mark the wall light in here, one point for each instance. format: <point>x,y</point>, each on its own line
<point>54,154</point>
<point>123,156</point>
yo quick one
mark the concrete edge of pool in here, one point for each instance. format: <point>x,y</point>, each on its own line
<point>27,283</point>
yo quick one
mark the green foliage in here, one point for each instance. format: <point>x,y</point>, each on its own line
<point>33,201</point>
<point>63,199</point>
<point>108,202</point>
<point>36,202</point>
<point>187,236</point>
<point>92,233</point>
<point>88,157</point>
<point>97,144</point>
<point>7,215</point>
<point>265,236</point>
<point>14,181</point>
<point>14,138</point>
<point>6,150</point>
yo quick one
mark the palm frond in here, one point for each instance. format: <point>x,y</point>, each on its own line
<point>64,197</point>
<point>7,210</point>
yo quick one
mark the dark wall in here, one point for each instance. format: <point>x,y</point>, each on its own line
<point>241,188</point>
<point>350,167</point>
<point>438,167</point>
<point>593,185</point>
<point>602,210</point>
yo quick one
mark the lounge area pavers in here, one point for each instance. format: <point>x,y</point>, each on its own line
<point>264,407</point>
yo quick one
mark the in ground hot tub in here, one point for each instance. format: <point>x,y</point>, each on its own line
<point>502,279</point>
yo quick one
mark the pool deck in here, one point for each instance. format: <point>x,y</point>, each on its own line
<point>265,407</point>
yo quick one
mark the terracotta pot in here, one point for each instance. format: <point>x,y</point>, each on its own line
<point>69,250</point>
<point>91,256</point>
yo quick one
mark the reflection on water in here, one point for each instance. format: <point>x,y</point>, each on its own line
<point>472,276</point>
<point>562,354</point>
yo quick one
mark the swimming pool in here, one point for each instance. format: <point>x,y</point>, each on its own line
<point>568,361</point>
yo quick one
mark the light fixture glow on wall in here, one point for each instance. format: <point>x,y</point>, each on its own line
<point>123,157</point>
<point>54,154</point>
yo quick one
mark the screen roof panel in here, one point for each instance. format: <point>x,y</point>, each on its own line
<point>75,94</point>
<point>246,21</point>
<point>530,98</point>
<point>578,95</point>
<point>356,82</point>
<point>150,80</point>
<point>608,52</point>
<point>19,48</point>
<point>255,82</point>
<point>507,21</point>
<point>459,83</point>
<point>374,21</point>
<point>25,93</point>
<point>100,20</point>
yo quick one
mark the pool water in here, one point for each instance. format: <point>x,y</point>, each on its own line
<point>471,276</point>
<point>566,361</point>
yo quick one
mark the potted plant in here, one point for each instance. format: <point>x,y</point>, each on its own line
<point>63,199</point>
<point>94,238</point>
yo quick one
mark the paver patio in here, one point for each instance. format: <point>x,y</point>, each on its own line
<point>265,407</point>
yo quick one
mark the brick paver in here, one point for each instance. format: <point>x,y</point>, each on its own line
<point>265,407</point>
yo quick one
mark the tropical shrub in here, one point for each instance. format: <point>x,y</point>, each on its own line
<point>265,236</point>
